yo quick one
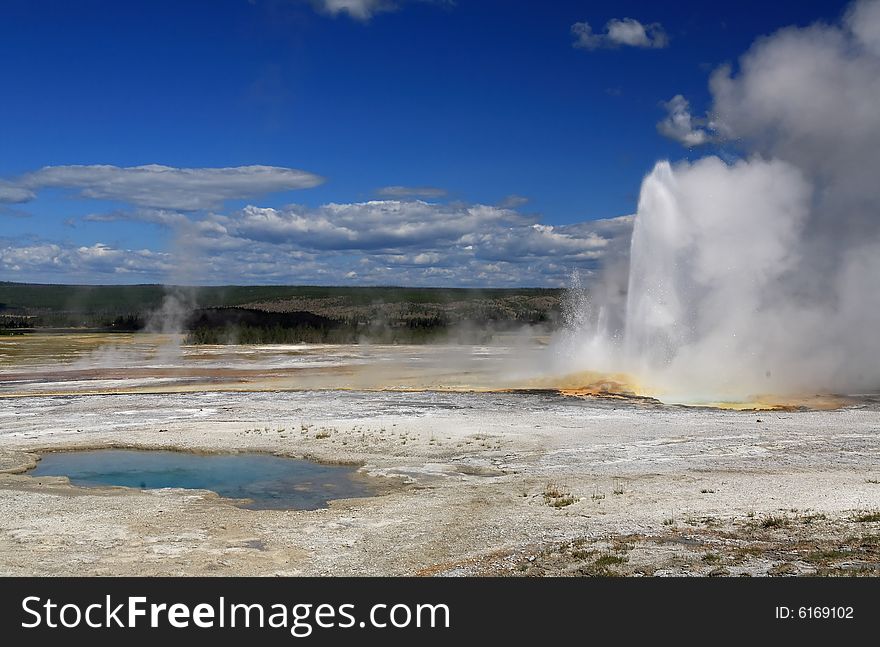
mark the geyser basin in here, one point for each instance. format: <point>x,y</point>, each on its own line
<point>268,482</point>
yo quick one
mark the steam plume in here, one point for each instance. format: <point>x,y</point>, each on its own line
<point>763,275</point>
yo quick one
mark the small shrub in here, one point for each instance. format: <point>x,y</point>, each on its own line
<point>557,496</point>
<point>867,516</point>
<point>774,521</point>
<point>810,518</point>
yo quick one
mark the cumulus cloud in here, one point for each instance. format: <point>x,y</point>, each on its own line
<point>537,242</point>
<point>681,126</point>
<point>391,240</point>
<point>411,192</point>
<point>48,259</point>
<point>620,32</point>
<point>427,244</point>
<point>162,187</point>
<point>421,232</point>
<point>373,225</point>
<point>384,241</point>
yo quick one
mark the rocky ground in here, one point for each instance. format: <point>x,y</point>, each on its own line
<point>497,483</point>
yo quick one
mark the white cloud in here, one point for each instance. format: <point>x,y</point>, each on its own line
<point>165,187</point>
<point>512,201</point>
<point>41,260</point>
<point>377,224</point>
<point>411,192</point>
<point>426,244</point>
<point>361,10</point>
<point>390,242</point>
<point>681,126</point>
<point>364,10</point>
<point>536,242</point>
<point>28,258</point>
<point>626,32</point>
<point>12,194</point>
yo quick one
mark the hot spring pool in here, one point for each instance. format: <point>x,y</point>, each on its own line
<point>269,482</point>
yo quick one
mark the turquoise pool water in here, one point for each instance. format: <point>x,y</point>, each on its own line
<point>269,482</point>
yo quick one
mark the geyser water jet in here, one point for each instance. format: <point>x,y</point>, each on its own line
<point>711,247</point>
<point>760,276</point>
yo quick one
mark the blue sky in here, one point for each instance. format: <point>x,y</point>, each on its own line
<point>475,142</point>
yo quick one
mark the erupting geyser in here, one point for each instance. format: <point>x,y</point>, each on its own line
<point>711,247</point>
<point>761,276</point>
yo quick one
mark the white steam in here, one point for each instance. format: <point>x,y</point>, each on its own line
<point>179,300</point>
<point>763,276</point>
<point>170,317</point>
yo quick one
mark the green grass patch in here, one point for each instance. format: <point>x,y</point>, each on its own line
<point>827,555</point>
<point>609,559</point>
